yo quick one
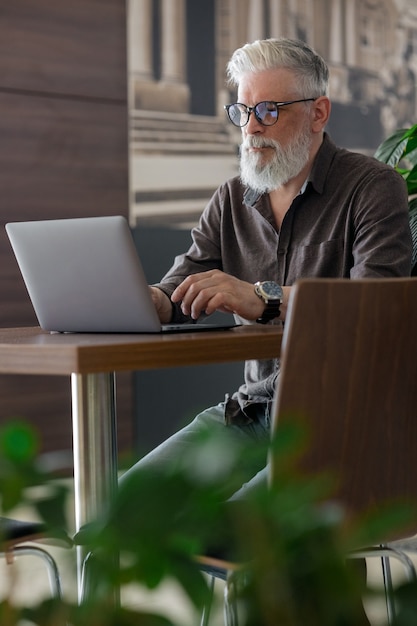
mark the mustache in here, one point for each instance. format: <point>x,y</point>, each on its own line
<point>253,141</point>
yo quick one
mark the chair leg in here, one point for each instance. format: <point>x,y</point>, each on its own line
<point>92,585</point>
<point>230,602</point>
<point>386,553</point>
<point>390,553</point>
<point>205,617</point>
<point>88,581</point>
<point>388,588</point>
<point>49,561</point>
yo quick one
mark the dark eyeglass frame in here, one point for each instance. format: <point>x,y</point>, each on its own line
<point>255,111</point>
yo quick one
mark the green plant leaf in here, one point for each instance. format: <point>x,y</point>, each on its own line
<point>406,604</point>
<point>9,615</point>
<point>411,132</point>
<point>58,613</point>
<point>411,180</point>
<point>52,508</point>
<point>410,151</point>
<point>18,442</point>
<point>12,491</point>
<point>189,576</point>
<point>413,209</point>
<point>391,150</point>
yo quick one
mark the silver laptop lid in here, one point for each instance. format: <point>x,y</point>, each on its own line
<point>84,275</point>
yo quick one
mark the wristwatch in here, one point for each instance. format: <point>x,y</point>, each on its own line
<point>271,293</point>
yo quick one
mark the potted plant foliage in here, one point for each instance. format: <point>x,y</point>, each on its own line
<point>400,151</point>
<point>293,547</point>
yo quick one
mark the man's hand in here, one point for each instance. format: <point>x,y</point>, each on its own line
<point>207,292</point>
<point>162,304</point>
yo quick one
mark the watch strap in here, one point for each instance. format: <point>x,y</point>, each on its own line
<point>272,310</point>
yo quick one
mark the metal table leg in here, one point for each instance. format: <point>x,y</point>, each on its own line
<point>94,449</point>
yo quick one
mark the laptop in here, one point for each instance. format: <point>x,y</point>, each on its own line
<point>85,275</point>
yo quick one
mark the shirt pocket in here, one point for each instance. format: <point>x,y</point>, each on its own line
<point>325,259</point>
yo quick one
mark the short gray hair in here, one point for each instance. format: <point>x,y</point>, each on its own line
<point>267,54</point>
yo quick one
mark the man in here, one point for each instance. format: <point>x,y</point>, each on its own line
<point>301,207</point>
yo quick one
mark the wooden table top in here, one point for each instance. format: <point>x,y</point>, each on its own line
<point>34,351</point>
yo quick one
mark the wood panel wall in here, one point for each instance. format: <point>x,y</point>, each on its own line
<point>63,153</point>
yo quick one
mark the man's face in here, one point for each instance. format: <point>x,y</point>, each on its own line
<point>273,155</point>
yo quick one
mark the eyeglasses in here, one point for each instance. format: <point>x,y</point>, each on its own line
<point>266,112</point>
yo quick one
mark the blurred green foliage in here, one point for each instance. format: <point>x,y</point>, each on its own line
<point>400,151</point>
<point>290,538</point>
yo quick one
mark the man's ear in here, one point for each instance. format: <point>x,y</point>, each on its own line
<point>320,112</point>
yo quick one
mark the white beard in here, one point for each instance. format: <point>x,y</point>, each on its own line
<point>283,165</point>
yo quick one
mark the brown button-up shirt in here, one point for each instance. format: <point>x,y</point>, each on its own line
<point>351,221</point>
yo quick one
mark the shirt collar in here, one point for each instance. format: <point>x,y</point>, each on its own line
<point>304,186</point>
<point>251,197</point>
<point>322,163</point>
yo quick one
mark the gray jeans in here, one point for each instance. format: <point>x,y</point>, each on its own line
<point>185,440</point>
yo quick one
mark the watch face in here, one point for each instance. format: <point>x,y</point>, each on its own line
<point>272,290</point>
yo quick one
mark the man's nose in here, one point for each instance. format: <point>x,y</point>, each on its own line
<point>253,126</point>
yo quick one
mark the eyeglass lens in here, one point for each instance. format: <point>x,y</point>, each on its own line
<point>265,112</point>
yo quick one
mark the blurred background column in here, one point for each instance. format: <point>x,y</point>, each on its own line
<point>336,32</point>
<point>140,43</point>
<point>173,53</point>
<point>277,26</point>
<point>256,20</point>
<point>351,25</point>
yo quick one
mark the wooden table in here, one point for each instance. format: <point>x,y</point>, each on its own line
<point>92,361</point>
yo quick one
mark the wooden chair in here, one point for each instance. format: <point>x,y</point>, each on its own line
<point>349,370</point>
<point>17,538</point>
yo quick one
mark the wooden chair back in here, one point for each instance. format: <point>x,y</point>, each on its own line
<point>349,370</point>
